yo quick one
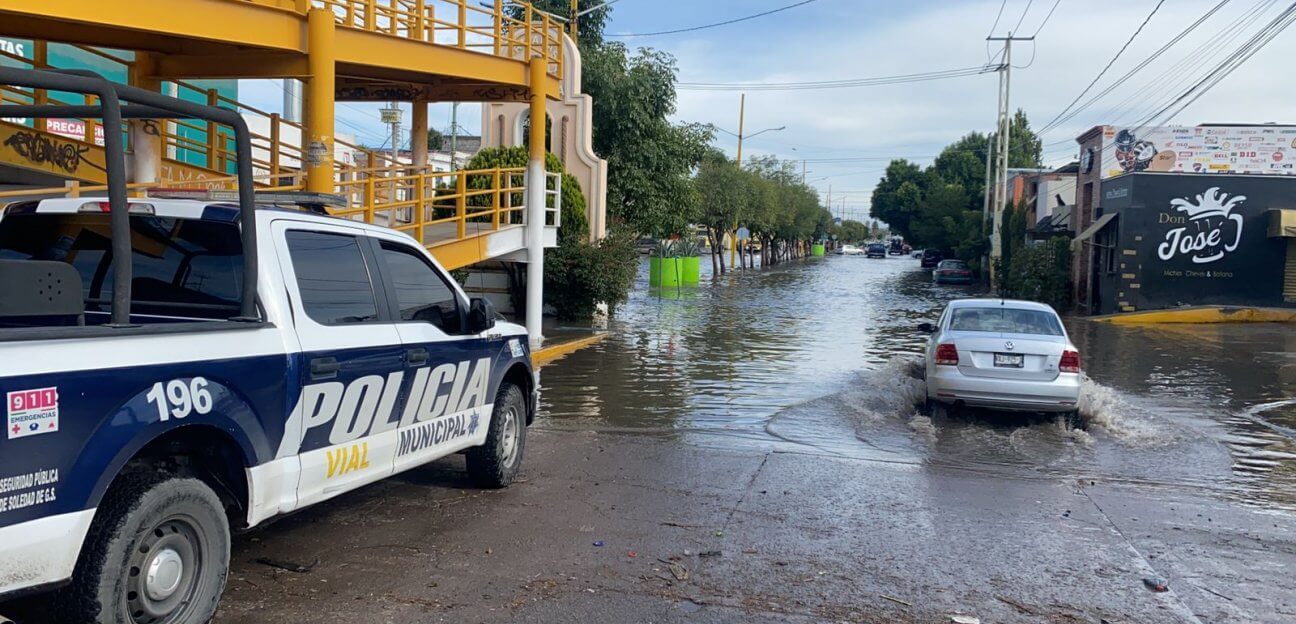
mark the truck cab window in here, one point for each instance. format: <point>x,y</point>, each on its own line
<point>332,277</point>
<point>421,292</point>
<point>183,268</point>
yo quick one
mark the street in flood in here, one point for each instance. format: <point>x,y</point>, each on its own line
<point>755,451</point>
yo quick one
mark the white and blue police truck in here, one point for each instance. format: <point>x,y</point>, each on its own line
<point>175,369</point>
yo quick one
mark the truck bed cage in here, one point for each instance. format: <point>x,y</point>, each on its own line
<point>143,104</point>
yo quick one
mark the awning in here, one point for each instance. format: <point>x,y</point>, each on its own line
<point>1282,223</point>
<point>1093,229</point>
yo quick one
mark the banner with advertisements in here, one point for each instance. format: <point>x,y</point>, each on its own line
<point>1267,150</point>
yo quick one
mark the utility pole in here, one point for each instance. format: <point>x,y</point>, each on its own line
<point>574,13</point>
<point>392,116</point>
<point>733,236</point>
<point>454,130</point>
<point>1003,130</point>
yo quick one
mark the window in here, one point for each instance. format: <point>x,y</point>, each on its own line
<point>184,268</point>
<point>332,277</point>
<point>1006,320</point>
<point>421,293</point>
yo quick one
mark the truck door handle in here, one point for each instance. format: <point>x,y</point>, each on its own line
<point>324,368</point>
<point>416,357</point>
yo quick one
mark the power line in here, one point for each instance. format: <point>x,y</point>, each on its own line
<point>994,26</point>
<point>1023,15</point>
<point>724,23</point>
<point>1155,55</point>
<point>834,84</point>
<point>1052,123</point>
<point>1046,17</point>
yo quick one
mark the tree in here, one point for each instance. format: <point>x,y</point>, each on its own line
<point>589,27</point>
<point>940,207</point>
<point>435,140</point>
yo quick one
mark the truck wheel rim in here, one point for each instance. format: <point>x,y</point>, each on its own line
<point>165,570</point>
<point>509,435</point>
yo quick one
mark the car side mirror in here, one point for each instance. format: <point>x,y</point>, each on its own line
<point>481,315</point>
<point>927,328</point>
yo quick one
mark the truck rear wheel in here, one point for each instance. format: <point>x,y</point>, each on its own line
<point>157,553</point>
<point>495,464</point>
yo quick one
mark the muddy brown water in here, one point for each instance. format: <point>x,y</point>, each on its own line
<point>824,356</point>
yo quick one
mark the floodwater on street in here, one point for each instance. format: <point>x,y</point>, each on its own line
<point>823,356</point>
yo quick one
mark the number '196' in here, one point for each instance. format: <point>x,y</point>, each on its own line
<point>179,399</point>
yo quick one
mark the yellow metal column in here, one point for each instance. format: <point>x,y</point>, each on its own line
<point>318,109</point>
<point>145,135</point>
<point>419,132</point>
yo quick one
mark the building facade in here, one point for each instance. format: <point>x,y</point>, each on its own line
<point>1178,160</point>
<point>1170,240</point>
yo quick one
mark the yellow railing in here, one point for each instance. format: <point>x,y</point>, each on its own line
<point>414,200</point>
<point>276,150</point>
<point>467,24</point>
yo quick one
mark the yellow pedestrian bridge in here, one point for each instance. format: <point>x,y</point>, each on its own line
<point>416,51</point>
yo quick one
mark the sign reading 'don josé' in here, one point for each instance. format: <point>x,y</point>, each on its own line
<point>1202,239</point>
<point>1269,150</point>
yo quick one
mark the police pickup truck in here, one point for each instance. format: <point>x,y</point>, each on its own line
<point>245,363</point>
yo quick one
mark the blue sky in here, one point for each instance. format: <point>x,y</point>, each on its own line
<point>843,39</point>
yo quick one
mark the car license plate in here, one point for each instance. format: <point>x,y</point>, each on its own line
<point>1009,360</point>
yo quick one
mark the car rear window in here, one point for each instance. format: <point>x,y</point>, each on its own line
<point>953,264</point>
<point>185,268</point>
<point>1006,320</point>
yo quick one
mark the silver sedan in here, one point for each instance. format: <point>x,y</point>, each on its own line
<point>1002,354</point>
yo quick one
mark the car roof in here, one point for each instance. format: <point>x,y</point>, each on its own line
<point>1016,304</point>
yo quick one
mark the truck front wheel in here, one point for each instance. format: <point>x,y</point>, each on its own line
<point>496,463</point>
<point>157,553</point>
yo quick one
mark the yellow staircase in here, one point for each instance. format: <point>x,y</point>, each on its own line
<point>380,50</point>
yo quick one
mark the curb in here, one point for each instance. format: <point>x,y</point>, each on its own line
<point>1202,315</point>
<point>546,355</point>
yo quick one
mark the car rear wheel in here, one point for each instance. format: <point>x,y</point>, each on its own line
<point>496,463</point>
<point>157,553</point>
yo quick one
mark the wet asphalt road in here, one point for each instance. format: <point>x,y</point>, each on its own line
<point>751,452</point>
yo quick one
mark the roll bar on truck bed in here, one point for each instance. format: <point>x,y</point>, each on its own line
<point>143,104</point>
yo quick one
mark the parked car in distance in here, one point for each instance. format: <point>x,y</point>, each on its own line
<point>849,250</point>
<point>876,250</point>
<point>1002,354</point>
<point>931,258</point>
<point>918,254</point>
<point>952,272</point>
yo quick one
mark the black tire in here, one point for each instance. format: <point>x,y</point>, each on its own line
<point>496,463</point>
<point>147,522</point>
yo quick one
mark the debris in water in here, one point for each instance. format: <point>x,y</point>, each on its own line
<point>678,571</point>
<point>709,553</point>
<point>896,600</point>
<point>1156,584</point>
<point>598,544</point>
<point>965,619</point>
<point>287,565</point>
<point>632,554</point>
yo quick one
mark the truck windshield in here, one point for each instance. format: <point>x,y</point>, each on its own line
<point>183,268</point>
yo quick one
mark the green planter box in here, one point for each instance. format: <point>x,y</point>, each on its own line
<point>690,270</point>
<point>664,271</point>
<point>816,250</point>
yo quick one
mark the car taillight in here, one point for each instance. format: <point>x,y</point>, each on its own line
<point>946,355</point>
<point>1070,362</point>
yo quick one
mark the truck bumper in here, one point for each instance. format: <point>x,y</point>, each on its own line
<point>41,552</point>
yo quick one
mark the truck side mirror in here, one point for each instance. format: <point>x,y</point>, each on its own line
<point>481,315</point>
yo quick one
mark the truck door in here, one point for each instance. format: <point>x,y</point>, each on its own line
<point>342,426</point>
<point>453,387</point>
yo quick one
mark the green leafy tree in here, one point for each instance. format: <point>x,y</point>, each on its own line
<point>435,139</point>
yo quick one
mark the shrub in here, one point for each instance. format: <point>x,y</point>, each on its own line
<point>1040,272</point>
